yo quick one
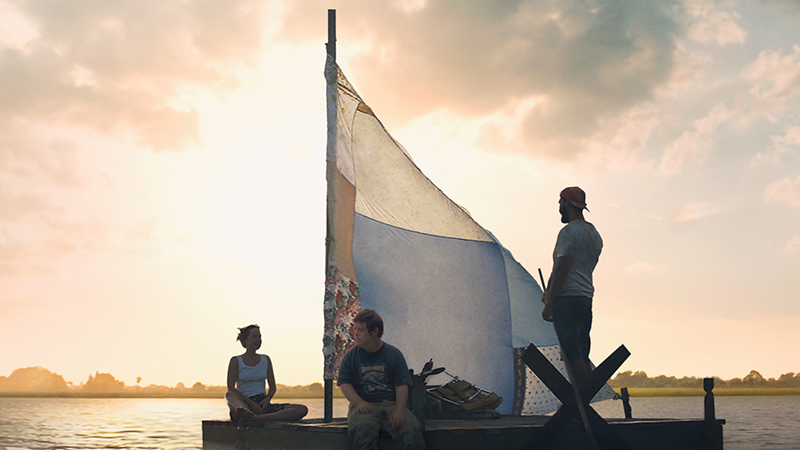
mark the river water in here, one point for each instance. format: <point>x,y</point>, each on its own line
<point>753,422</point>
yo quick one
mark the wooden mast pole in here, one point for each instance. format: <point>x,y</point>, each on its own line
<point>331,45</point>
<point>330,48</point>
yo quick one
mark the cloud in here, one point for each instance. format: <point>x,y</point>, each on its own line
<point>790,139</point>
<point>16,32</point>
<point>687,72</point>
<point>10,247</point>
<point>708,21</point>
<point>121,67</point>
<point>698,210</point>
<point>789,6</point>
<point>792,247</point>
<point>785,144</point>
<point>42,161</point>
<point>622,139</point>
<point>786,191</point>
<point>19,204</point>
<point>694,145</point>
<point>774,78</point>
<point>585,61</point>
<point>74,70</point>
<point>642,268</point>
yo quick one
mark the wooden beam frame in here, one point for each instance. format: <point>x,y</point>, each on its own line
<point>604,435</point>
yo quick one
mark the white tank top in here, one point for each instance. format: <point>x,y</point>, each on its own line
<point>252,379</point>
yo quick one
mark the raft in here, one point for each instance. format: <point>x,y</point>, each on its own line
<point>509,432</point>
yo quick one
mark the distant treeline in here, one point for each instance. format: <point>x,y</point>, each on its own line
<point>40,381</point>
<point>639,379</point>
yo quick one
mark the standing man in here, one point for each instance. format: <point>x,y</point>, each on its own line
<point>568,298</point>
<point>375,380</point>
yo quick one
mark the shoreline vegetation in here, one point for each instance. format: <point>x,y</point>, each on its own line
<point>40,382</point>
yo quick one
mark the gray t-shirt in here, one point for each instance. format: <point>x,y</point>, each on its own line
<point>580,240</point>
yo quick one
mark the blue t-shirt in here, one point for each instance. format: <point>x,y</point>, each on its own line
<point>374,376</point>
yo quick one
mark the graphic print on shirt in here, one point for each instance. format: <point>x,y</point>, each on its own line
<point>375,377</point>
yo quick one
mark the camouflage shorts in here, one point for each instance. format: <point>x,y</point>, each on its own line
<point>364,428</point>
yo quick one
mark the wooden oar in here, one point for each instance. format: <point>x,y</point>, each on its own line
<point>575,391</point>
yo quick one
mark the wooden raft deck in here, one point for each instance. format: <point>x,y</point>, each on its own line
<point>508,432</point>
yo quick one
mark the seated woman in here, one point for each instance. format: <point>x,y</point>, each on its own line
<point>247,397</point>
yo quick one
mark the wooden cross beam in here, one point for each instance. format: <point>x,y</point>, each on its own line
<point>604,435</point>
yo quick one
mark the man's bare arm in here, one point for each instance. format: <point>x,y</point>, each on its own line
<point>557,280</point>
<point>398,417</point>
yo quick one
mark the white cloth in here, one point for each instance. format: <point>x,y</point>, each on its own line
<point>580,240</point>
<point>252,379</point>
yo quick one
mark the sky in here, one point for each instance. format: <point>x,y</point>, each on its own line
<point>162,173</point>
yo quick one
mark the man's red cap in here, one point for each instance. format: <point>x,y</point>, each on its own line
<point>576,196</point>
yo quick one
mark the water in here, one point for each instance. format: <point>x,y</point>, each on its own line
<point>753,422</point>
<point>768,422</point>
<point>73,423</point>
<point>54,423</point>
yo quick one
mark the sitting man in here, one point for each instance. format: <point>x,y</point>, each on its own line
<point>374,378</point>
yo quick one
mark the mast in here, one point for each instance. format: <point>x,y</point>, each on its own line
<point>330,46</point>
<point>331,96</point>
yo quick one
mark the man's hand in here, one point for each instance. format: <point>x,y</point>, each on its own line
<point>547,313</point>
<point>363,407</point>
<point>398,418</point>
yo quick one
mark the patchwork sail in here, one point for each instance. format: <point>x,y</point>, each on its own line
<point>446,288</point>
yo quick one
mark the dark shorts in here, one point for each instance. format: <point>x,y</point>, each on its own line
<point>572,318</point>
<point>273,407</point>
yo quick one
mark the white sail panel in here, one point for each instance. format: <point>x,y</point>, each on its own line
<point>391,189</point>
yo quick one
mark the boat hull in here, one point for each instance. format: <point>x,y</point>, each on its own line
<point>508,432</point>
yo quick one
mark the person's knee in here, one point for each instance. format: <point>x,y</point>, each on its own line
<point>410,436</point>
<point>363,423</point>
<point>411,421</point>
<point>300,410</point>
<point>362,434</point>
<point>233,400</point>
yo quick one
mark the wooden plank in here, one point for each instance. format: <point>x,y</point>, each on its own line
<point>602,373</point>
<point>626,403</point>
<point>549,375</point>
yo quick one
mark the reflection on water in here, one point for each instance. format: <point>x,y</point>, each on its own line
<point>763,422</point>
<point>38,423</point>
<point>59,423</point>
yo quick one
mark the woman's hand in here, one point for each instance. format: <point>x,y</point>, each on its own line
<point>265,404</point>
<point>255,407</point>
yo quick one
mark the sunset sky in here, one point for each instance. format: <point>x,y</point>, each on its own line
<point>162,173</point>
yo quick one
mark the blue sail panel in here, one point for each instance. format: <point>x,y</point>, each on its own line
<point>441,298</point>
